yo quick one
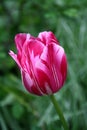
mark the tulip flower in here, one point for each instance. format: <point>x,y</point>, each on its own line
<point>42,62</point>
<point>43,65</point>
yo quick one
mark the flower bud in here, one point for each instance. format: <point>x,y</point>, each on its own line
<point>42,62</point>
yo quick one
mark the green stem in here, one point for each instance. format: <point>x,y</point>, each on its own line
<point>59,112</point>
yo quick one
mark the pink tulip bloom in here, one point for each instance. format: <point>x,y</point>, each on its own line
<point>42,62</point>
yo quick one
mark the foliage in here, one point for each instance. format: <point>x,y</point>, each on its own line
<point>20,110</point>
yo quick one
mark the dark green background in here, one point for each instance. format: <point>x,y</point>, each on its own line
<point>67,19</point>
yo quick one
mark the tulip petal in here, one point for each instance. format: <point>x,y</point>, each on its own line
<point>36,46</point>
<point>29,83</point>
<point>60,64</point>
<point>42,74</point>
<point>56,54</point>
<point>53,58</point>
<point>14,56</point>
<point>47,37</point>
<point>31,65</point>
<point>64,68</point>
<point>20,40</point>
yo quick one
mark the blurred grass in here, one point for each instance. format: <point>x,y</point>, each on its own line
<point>20,110</point>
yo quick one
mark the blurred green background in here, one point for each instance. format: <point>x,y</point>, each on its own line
<point>20,110</point>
